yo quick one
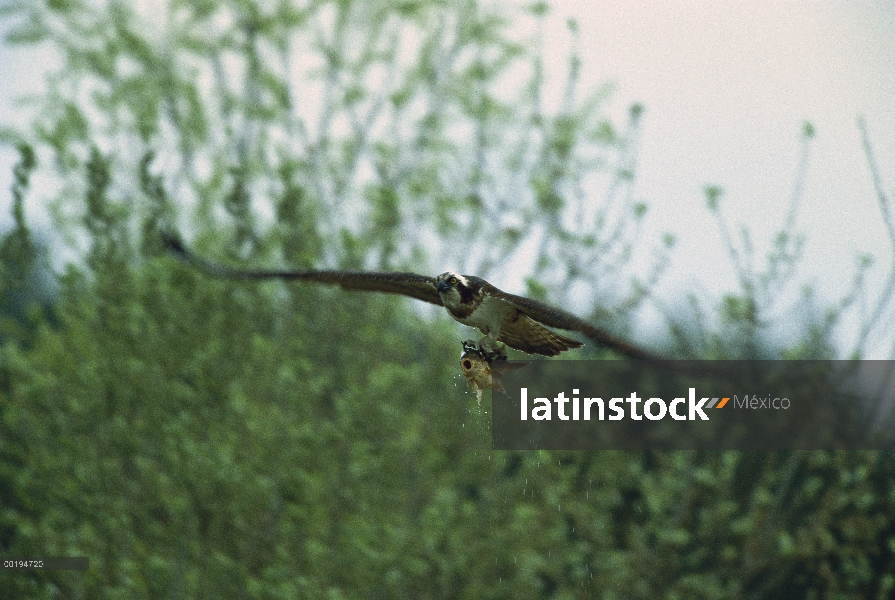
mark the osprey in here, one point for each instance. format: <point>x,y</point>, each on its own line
<point>518,322</point>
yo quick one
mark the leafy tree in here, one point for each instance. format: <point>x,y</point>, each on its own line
<point>26,283</point>
<point>200,438</point>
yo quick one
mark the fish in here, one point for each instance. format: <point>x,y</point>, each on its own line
<point>483,368</point>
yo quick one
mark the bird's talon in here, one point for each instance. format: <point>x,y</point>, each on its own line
<point>491,353</point>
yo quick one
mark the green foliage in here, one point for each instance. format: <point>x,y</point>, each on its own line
<point>222,442</point>
<point>201,438</point>
<point>712,195</point>
<point>192,437</point>
<point>26,284</point>
<point>435,103</point>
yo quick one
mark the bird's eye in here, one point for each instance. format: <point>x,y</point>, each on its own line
<point>453,280</point>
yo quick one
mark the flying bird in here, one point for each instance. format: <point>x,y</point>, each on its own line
<point>520,323</point>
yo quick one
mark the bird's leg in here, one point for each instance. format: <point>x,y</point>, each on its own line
<point>491,350</point>
<point>470,347</point>
<point>485,350</point>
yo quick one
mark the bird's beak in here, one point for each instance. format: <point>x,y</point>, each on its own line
<point>443,286</point>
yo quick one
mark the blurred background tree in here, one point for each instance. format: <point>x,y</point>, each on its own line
<point>199,438</point>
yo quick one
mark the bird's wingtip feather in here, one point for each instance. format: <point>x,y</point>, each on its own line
<point>173,244</point>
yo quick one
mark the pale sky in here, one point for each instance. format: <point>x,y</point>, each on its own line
<point>726,87</point>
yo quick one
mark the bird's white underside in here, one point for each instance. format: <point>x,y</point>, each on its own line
<point>488,317</point>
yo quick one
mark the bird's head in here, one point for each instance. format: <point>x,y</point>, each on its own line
<point>454,289</point>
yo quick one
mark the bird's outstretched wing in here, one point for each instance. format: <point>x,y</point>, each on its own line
<point>416,286</point>
<point>560,319</point>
